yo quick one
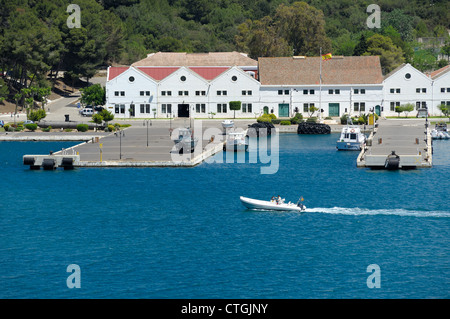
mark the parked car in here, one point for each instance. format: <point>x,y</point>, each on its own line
<point>98,108</point>
<point>27,122</point>
<point>87,112</point>
<point>2,123</point>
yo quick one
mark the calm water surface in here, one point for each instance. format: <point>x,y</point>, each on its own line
<point>182,233</point>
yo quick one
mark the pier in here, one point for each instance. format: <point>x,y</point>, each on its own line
<point>398,144</point>
<point>146,143</point>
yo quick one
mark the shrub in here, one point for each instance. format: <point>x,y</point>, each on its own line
<point>311,120</point>
<point>31,126</point>
<point>344,119</point>
<point>82,127</point>
<point>111,128</point>
<point>264,119</point>
<point>6,127</point>
<point>297,118</point>
<point>272,116</point>
<point>37,115</point>
<point>276,121</point>
<point>47,129</point>
<point>68,130</point>
<point>285,123</point>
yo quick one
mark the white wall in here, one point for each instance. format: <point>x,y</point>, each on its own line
<point>132,89</point>
<point>234,81</point>
<point>296,98</point>
<point>407,80</point>
<point>442,82</point>
<point>183,80</point>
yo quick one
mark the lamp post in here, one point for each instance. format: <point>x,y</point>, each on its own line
<point>120,133</point>
<point>148,123</point>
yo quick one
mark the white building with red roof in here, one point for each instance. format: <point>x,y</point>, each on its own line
<point>201,85</point>
<point>168,84</point>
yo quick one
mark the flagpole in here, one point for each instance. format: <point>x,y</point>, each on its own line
<point>320,85</point>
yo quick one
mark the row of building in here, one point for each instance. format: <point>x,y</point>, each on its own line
<point>201,85</point>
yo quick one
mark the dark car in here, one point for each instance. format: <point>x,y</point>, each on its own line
<point>98,108</point>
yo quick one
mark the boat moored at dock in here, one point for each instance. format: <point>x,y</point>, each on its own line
<point>236,142</point>
<point>351,139</point>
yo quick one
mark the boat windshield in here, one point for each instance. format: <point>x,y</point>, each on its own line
<point>353,136</point>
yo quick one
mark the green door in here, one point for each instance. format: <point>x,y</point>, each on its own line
<point>266,110</point>
<point>378,110</point>
<point>283,110</point>
<point>333,109</point>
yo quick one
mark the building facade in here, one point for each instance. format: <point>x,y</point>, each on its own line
<point>166,85</point>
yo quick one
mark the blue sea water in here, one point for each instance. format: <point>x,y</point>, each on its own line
<point>183,233</point>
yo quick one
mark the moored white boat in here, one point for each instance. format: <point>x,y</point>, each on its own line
<point>440,132</point>
<point>227,124</point>
<point>236,141</point>
<point>257,204</point>
<point>351,139</point>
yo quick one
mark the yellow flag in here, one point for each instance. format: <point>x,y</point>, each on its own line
<point>326,56</point>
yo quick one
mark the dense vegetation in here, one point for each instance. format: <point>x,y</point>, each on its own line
<point>36,43</point>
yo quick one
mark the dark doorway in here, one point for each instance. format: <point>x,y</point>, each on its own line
<point>183,110</point>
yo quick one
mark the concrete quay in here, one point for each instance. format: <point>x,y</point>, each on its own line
<point>149,144</point>
<point>409,139</point>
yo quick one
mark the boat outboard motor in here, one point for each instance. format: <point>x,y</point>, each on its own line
<point>392,161</point>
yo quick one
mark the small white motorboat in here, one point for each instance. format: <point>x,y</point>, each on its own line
<point>351,139</point>
<point>236,142</point>
<point>440,132</point>
<point>278,205</point>
<point>226,124</point>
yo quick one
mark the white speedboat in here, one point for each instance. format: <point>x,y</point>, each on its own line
<point>279,205</point>
<point>226,124</point>
<point>440,132</point>
<point>351,139</point>
<point>236,142</point>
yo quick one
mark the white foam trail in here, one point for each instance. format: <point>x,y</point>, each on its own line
<point>365,211</point>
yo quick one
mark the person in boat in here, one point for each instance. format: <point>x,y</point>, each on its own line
<point>273,199</point>
<point>278,200</point>
<point>300,204</point>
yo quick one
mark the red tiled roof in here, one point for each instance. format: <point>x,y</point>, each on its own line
<point>157,73</point>
<point>209,73</point>
<point>306,70</point>
<point>439,72</point>
<point>115,71</point>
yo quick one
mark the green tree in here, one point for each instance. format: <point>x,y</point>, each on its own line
<point>445,109</point>
<point>361,47</point>
<point>260,39</point>
<point>235,106</point>
<point>107,115</point>
<point>399,109</point>
<point>303,27</point>
<point>390,55</point>
<point>424,60</point>
<point>4,90</point>
<point>408,107</point>
<point>93,95</point>
<point>37,115</point>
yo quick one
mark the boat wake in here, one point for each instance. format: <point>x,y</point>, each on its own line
<point>365,211</point>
